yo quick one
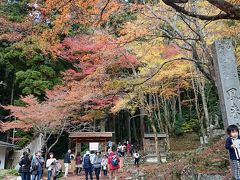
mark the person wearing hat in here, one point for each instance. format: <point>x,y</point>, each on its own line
<point>87,165</point>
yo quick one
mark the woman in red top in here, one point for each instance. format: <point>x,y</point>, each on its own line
<point>113,163</point>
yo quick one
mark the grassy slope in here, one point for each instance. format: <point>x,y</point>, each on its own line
<point>212,159</point>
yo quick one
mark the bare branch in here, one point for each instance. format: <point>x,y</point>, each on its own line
<point>230,11</point>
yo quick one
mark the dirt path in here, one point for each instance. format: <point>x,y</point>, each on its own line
<point>122,176</point>
<point>81,177</point>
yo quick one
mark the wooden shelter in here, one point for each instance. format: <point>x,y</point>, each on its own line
<point>87,137</point>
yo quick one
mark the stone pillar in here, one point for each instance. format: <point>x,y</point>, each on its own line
<point>227,81</point>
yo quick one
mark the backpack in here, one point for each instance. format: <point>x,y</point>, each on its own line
<point>87,162</point>
<point>114,161</point>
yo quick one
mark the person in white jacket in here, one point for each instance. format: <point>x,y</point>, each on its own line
<point>104,165</point>
<point>49,165</point>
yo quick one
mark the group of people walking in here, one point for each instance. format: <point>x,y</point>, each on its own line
<point>95,162</point>
<point>31,166</point>
<point>128,149</point>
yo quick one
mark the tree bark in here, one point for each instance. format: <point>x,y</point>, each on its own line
<point>142,124</point>
<point>200,119</point>
<point>135,138</point>
<point>201,84</point>
<point>159,114</point>
<point>174,111</point>
<point>180,106</point>
<point>102,125</point>
<point>152,124</point>
<point>129,127</point>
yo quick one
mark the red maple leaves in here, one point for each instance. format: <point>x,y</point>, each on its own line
<point>84,86</point>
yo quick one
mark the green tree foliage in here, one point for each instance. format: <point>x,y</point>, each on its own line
<point>29,69</point>
<point>14,11</point>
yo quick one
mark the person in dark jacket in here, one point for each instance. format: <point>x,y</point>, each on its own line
<point>25,164</point>
<point>30,156</point>
<point>233,147</point>
<point>87,165</point>
<point>67,161</point>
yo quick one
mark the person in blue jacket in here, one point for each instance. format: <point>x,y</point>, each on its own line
<point>37,166</point>
<point>232,145</point>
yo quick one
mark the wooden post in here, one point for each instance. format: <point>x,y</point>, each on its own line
<point>76,148</point>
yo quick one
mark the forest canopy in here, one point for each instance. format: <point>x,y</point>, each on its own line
<point>63,63</point>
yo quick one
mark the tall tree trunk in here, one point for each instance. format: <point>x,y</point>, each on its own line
<point>142,124</point>
<point>152,124</point>
<point>135,133</point>
<point>174,111</point>
<point>201,83</point>
<point>114,128</point>
<point>166,115</point>
<point>155,138</point>
<point>156,111</point>
<point>129,127</point>
<point>200,119</point>
<point>159,114</point>
<point>167,139</point>
<point>180,106</point>
<point>102,125</point>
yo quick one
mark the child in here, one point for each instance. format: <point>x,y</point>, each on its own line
<point>136,157</point>
<point>232,144</point>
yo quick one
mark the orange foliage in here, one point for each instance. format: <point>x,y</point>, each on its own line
<point>12,31</point>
